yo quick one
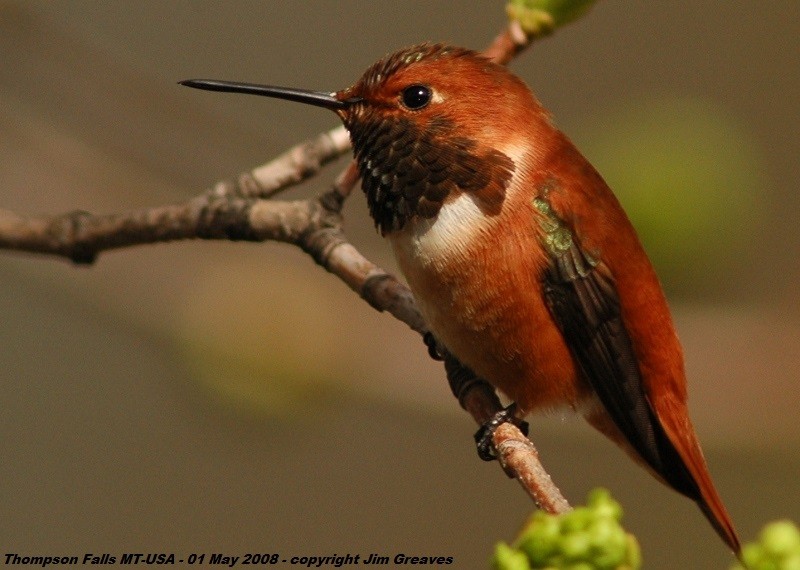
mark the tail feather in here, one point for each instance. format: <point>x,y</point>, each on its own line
<point>680,463</point>
<point>674,420</point>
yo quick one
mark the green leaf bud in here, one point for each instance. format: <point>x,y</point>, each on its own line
<point>506,558</point>
<point>780,538</point>
<point>538,17</point>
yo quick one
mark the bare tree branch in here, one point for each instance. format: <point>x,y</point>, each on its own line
<point>508,43</point>
<point>244,210</point>
<point>520,459</point>
<point>295,165</point>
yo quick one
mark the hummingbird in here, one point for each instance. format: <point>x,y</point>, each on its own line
<point>521,259</point>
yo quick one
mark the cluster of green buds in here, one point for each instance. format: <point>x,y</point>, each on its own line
<point>777,548</point>
<point>586,538</point>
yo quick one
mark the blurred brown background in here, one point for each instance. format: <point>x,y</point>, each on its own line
<point>201,397</point>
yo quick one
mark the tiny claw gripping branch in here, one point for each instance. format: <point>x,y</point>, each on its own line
<point>484,437</point>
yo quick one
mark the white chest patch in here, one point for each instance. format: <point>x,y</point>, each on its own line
<point>444,237</point>
<point>449,235</point>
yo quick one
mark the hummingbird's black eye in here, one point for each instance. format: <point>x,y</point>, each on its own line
<point>416,96</point>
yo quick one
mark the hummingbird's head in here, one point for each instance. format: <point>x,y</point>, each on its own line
<point>427,123</point>
<point>427,83</point>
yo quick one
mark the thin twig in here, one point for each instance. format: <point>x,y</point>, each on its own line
<point>295,165</point>
<point>508,43</point>
<point>520,460</point>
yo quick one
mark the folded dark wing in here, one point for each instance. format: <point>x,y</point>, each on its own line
<point>584,302</point>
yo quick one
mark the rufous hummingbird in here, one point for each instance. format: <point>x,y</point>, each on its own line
<point>521,259</point>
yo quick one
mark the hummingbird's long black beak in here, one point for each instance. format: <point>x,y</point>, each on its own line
<point>317,98</point>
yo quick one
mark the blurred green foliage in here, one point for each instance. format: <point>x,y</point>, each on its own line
<point>687,174</point>
<point>591,538</point>
<point>585,538</point>
<point>261,344</point>
<point>543,16</point>
<point>777,548</point>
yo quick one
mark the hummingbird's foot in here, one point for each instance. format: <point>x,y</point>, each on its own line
<point>484,436</point>
<point>433,348</point>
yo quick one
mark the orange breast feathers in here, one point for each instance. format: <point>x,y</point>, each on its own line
<point>476,278</point>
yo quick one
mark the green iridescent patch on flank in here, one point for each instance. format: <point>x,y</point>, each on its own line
<point>557,237</point>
